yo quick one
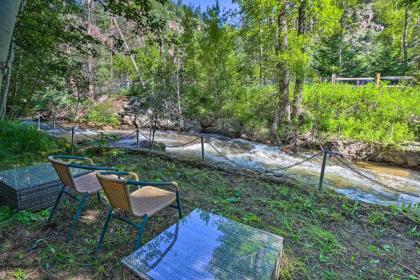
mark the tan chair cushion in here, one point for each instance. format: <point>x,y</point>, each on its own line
<point>87,183</point>
<point>149,200</point>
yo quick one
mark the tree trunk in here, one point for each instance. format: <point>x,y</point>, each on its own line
<point>133,60</point>
<point>90,9</point>
<point>111,53</point>
<point>9,10</point>
<point>282,113</point>
<point>178,91</point>
<point>8,13</point>
<point>261,53</point>
<point>5,89</point>
<point>300,75</point>
<point>404,38</point>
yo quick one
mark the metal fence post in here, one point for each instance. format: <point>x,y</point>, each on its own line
<point>202,146</point>
<point>73,138</point>
<point>324,163</point>
<point>102,139</point>
<point>153,140</point>
<point>54,125</point>
<point>39,122</point>
<point>137,139</point>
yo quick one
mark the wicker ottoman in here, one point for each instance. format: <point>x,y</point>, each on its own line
<point>31,188</point>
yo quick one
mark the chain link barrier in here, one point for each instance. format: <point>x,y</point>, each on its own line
<point>295,164</point>
<point>171,146</point>
<point>363,175</point>
<point>283,168</point>
<point>337,156</point>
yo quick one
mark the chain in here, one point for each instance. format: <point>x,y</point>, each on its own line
<point>88,136</point>
<point>265,171</point>
<point>147,138</point>
<point>182,145</point>
<point>225,157</point>
<point>361,174</point>
<point>294,164</point>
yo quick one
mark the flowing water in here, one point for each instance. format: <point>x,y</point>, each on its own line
<point>264,157</point>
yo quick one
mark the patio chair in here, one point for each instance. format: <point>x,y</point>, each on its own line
<point>84,185</point>
<point>143,202</point>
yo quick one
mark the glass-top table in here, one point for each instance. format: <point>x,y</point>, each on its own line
<point>207,246</point>
<point>29,176</point>
<point>31,187</point>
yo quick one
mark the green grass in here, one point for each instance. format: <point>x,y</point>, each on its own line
<point>21,144</point>
<point>326,237</point>
<point>386,115</point>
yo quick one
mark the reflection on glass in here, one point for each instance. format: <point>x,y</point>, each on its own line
<point>207,246</point>
<point>25,177</point>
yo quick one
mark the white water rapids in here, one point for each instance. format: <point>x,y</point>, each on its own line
<point>263,157</point>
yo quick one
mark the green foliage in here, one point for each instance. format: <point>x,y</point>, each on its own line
<point>366,113</point>
<point>23,143</point>
<point>25,218</point>
<point>102,114</point>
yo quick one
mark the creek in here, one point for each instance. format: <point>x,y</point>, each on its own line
<point>261,157</point>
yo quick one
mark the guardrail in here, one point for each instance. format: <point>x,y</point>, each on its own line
<point>102,139</point>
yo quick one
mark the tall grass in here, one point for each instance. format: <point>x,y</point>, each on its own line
<point>367,113</point>
<point>21,144</point>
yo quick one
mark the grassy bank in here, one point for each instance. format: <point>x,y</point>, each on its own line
<point>386,115</point>
<point>326,237</point>
<point>22,144</point>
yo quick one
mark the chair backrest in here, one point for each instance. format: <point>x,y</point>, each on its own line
<point>116,190</point>
<point>63,171</point>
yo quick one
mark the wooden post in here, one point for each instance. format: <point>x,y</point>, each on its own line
<point>333,76</point>
<point>39,122</point>
<point>378,79</point>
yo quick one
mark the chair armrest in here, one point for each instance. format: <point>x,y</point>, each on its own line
<point>154,184</point>
<point>123,173</point>
<point>72,157</point>
<point>92,167</point>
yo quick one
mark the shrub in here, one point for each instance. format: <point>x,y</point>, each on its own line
<point>21,143</point>
<point>367,113</point>
<point>102,114</point>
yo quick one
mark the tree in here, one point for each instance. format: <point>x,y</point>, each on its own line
<point>300,75</point>
<point>282,112</point>
<point>8,13</point>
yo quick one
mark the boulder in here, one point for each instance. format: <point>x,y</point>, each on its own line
<point>223,126</point>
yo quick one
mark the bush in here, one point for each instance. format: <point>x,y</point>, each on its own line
<point>21,143</point>
<point>102,114</point>
<point>367,113</point>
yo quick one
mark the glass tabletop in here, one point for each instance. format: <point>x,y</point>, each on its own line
<point>207,246</point>
<point>29,176</point>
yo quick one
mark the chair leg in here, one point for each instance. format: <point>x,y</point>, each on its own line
<point>104,229</point>
<point>178,202</point>
<point>76,217</point>
<point>140,231</point>
<point>56,204</point>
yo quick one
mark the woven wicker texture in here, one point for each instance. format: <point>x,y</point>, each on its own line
<point>149,200</point>
<point>64,173</point>
<point>117,192</point>
<point>87,183</point>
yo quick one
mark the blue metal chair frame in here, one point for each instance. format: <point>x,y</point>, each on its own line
<point>82,200</point>
<point>140,227</point>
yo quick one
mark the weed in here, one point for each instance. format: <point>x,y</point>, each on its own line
<point>19,274</point>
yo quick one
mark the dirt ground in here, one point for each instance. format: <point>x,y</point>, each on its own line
<point>326,236</point>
